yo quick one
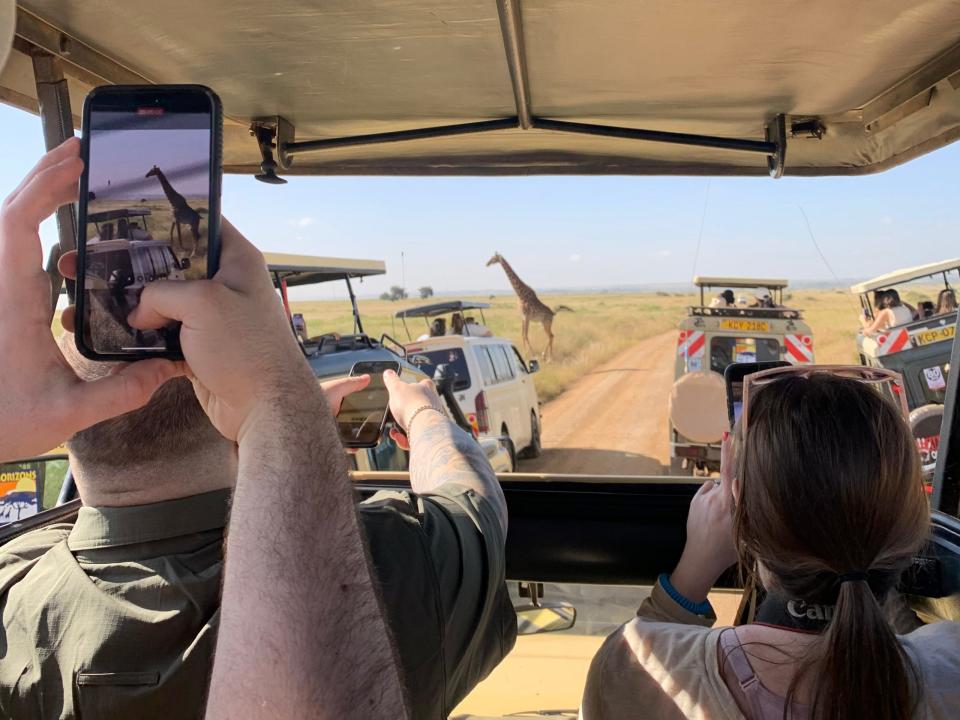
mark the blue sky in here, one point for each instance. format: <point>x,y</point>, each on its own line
<point>569,232</point>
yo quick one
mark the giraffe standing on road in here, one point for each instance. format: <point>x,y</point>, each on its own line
<point>182,212</point>
<point>531,307</point>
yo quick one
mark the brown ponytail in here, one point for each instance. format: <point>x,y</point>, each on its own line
<point>830,490</point>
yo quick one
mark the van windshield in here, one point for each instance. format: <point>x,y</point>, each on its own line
<point>455,363</point>
<point>727,350</point>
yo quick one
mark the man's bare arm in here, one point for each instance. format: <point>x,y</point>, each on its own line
<point>302,633</point>
<point>441,452</point>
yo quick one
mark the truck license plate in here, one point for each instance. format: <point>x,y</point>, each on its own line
<point>745,325</point>
<point>926,337</point>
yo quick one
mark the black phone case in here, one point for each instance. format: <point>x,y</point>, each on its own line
<point>213,217</point>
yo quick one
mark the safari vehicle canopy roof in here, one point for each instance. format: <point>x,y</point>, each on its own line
<point>441,308</point>
<point>460,87</point>
<point>308,269</point>
<point>731,282</point>
<point>108,215</point>
<point>901,276</point>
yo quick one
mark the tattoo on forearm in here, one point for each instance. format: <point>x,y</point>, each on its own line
<point>443,453</point>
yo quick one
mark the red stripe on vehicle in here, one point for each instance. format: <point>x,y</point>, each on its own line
<point>899,342</point>
<point>795,352</point>
<point>697,345</point>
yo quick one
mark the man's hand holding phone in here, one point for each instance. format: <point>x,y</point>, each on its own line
<point>44,402</point>
<point>405,400</point>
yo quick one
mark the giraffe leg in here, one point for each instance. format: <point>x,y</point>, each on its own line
<point>526,335</point>
<point>548,329</point>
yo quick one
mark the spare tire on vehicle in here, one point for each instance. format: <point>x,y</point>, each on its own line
<point>698,407</point>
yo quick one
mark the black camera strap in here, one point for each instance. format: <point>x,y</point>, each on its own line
<point>793,614</point>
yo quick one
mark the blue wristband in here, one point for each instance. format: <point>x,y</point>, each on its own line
<point>696,608</point>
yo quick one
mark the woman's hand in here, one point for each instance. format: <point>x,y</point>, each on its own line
<point>710,547</point>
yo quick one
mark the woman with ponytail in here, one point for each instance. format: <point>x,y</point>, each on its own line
<point>821,501</point>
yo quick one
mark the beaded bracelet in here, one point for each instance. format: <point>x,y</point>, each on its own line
<point>417,412</point>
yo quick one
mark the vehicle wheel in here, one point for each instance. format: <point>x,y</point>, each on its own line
<point>533,449</point>
<point>511,448</point>
<point>513,455</point>
<point>677,467</point>
<point>925,425</point>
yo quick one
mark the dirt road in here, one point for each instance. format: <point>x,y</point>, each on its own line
<point>613,421</point>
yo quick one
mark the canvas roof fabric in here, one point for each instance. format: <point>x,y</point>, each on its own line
<point>901,276</point>
<point>861,87</point>
<point>734,282</point>
<point>441,308</point>
<point>309,269</point>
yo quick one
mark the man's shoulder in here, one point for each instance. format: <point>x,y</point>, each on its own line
<point>36,541</point>
<point>31,546</point>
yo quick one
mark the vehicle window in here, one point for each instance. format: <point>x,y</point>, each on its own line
<point>486,365</point>
<point>518,360</point>
<point>161,261</point>
<point>501,363</point>
<point>104,264</point>
<point>456,362</point>
<point>727,350</point>
<point>29,487</point>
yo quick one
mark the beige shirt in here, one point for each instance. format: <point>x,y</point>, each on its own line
<point>663,664</point>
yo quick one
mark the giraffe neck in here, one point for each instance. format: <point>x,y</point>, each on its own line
<point>522,290</point>
<point>172,195</point>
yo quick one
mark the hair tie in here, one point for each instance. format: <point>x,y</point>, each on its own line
<point>852,576</point>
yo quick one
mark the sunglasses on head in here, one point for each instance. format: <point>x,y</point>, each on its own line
<point>878,378</point>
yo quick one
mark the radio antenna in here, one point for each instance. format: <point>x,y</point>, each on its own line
<point>703,218</point>
<point>824,257</point>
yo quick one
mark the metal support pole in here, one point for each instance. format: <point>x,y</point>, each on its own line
<point>357,324</point>
<point>57,120</point>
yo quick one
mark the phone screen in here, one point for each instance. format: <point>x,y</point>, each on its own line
<point>363,414</point>
<point>733,375</point>
<point>736,397</point>
<point>148,199</point>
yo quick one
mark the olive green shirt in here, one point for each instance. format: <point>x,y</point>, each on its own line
<point>116,615</point>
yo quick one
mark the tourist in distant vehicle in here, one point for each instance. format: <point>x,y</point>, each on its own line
<point>475,329</point>
<point>890,312</point>
<point>122,608</point>
<point>814,451</point>
<point>761,298</point>
<point>946,302</point>
<point>457,324</point>
<point>925,309</point>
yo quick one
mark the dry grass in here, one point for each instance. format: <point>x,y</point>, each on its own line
<point>601,325</point>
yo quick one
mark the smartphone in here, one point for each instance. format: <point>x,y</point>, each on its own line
<point>733,376</point>
<point>363,414</point>
<point>149,209</point>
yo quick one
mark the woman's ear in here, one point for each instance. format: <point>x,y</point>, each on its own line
<point>735,487</point>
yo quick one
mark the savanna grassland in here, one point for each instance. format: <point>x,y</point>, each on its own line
<point>601,325</point>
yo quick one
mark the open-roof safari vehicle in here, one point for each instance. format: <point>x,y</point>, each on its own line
<point>501,87</point>
<point>334,351</point>
<point>750,324</point>
<point>919,349</point>
<point>491,379</point>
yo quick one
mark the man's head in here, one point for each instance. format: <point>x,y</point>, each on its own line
<point>168,440</point>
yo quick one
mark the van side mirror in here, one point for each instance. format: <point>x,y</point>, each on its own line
<point>545,617</point>
<point>534,366</point>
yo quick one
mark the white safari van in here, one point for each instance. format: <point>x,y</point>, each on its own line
<point>492,381</point>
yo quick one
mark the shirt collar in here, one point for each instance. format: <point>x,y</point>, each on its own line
<point>106,527</point>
